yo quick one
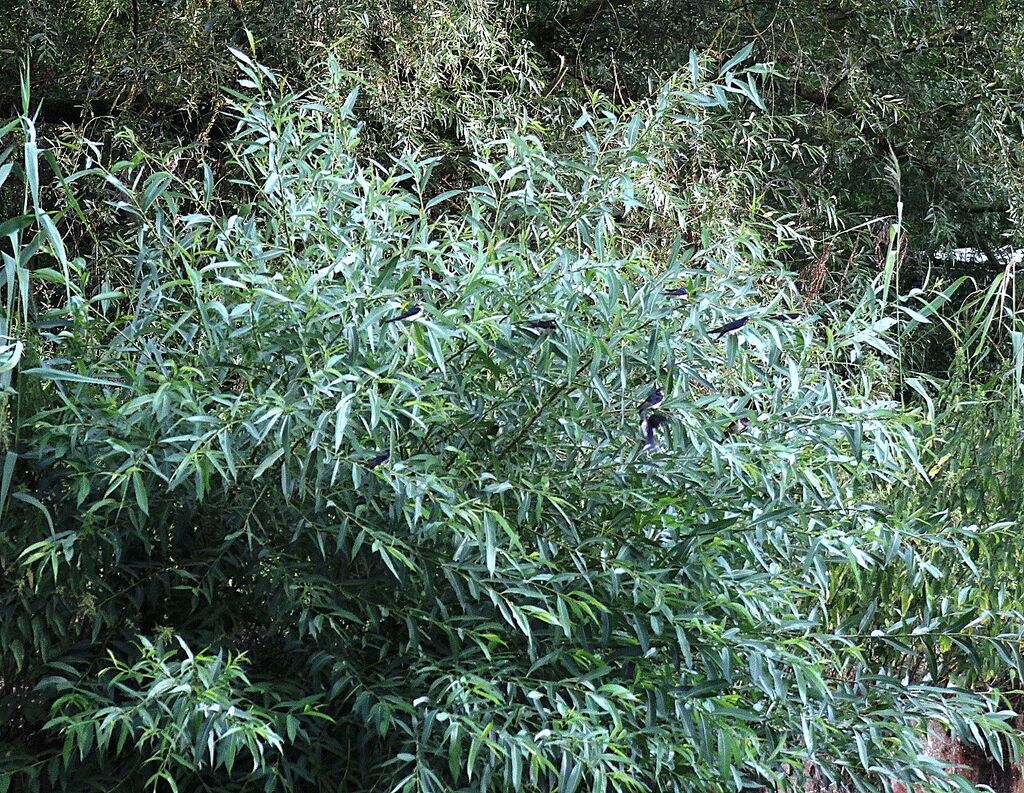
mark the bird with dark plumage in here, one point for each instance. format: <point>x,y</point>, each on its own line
<point>542,324</point>
<point>648,428</point>
<point>409,315</point>
<point>653,400</point>
<point>378,460</point>
<point>680,292</point>
<point>738,426</point>
<point>729,327</point>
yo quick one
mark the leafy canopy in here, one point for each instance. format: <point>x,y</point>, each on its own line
<point>433,554</point>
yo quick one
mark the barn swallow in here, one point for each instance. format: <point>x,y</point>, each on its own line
<point>542,324</point>
<point>407,316</point>
<point>728,327</point>
<point>378,461</point>
<point>649,427</point>
<point>738,427</point>
<point>653,400</point>
<point>785,317</point>
<point>680,292</point>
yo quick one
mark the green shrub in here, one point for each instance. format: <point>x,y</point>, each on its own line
<point>435,554</point>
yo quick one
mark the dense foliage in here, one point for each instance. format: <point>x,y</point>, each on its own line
<point>934,85</point>
<point>257,535</point>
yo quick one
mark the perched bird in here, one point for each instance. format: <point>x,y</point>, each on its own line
<point>738,427</point>
<point>680,292</point>
<point>378,461</point>
<point>542,324</point>
<point>411,314</point>
<point>785,317</point>
<point>649,427</point>
<point>489,429</point>
<point>728,327</point>
<point>653,400</point>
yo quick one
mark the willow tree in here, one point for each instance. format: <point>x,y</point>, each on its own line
<point>318,477</point>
